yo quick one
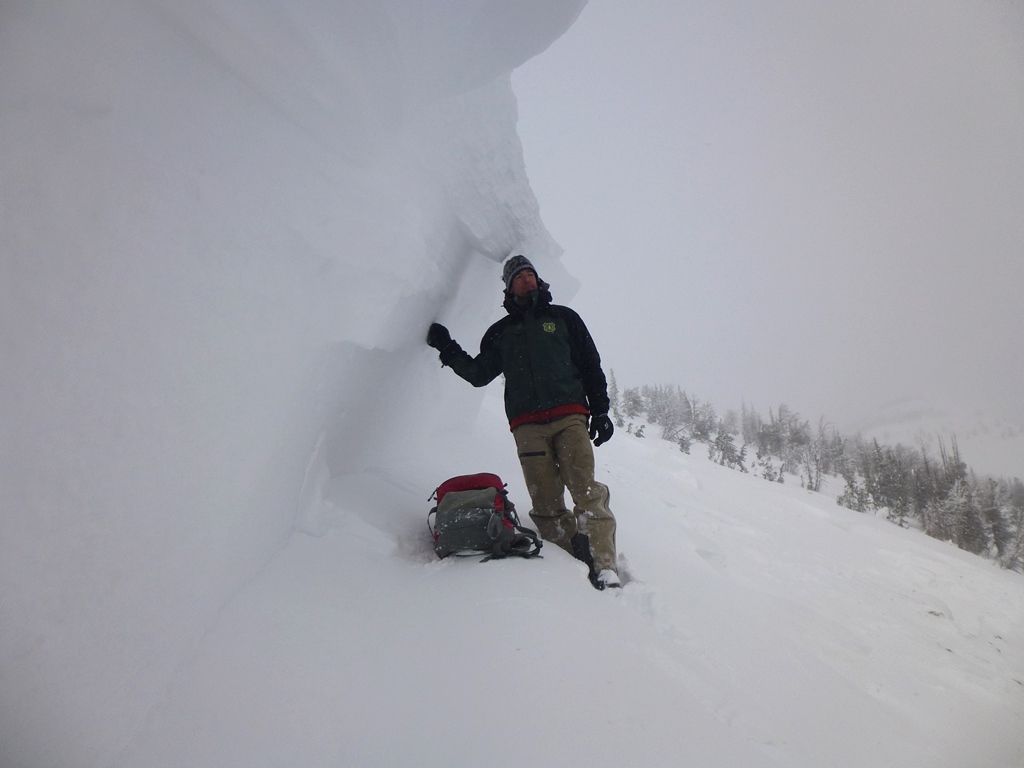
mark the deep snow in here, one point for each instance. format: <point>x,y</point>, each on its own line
<point>763,626</point>
<point>223,229</point>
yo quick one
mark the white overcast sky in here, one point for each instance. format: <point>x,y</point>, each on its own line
<point>813,203</point>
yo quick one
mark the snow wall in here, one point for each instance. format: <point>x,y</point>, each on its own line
<point>224,229</point>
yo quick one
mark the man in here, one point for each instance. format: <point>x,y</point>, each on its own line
<point>553,383</point>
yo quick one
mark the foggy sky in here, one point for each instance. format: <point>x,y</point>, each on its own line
<point>816,204</point>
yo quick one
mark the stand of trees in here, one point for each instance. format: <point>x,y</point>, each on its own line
<point>941,496</point>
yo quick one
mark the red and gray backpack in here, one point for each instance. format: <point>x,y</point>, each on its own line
<point>474,516</point>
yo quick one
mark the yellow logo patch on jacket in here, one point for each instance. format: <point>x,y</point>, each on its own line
<point>549,327</point>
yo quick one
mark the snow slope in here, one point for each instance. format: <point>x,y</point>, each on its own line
<point>763,626</point>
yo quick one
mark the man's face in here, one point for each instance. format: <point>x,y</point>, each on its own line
<point>524,282</point>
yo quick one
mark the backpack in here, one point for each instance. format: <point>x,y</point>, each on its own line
<point>474,516</point>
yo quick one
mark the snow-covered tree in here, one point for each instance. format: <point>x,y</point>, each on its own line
<point>614,399</point>
<point>632,403</point>
<point>723,449</point>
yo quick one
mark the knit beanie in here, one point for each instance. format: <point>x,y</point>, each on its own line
<point>513,267</point>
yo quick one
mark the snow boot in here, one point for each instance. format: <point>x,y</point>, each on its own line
<point>581,551</point>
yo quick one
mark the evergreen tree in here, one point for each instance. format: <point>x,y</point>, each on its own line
<point>730,423</point>
<point>972,534</point>
<point>893,481</point>
<point>613,397</point>
<point>943,518</point>
<point>750,425</point>
<point>723,449</point>
<point>672,412</point>
<point>1014,557</point>
<point>632,403</point>
<point>820,456</point>
<point>770,438</point>
<point>704,421</point>
<point>767,470</point>
<point>992,501</point>
<point>953,467</point>
<point>855,495</point>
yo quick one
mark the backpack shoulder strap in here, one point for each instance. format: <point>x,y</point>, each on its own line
<point>517,541</point>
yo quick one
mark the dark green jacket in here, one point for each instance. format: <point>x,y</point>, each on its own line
<point>548,357</point>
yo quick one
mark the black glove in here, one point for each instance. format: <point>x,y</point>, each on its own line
<point>438,336</point>
<point>601,428</point>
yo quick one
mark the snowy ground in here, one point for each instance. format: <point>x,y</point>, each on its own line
<point>762,626</point>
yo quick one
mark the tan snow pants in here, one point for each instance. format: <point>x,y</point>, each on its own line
<point>556,456</point>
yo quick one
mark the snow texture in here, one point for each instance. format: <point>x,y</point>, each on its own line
<point>224,228</point>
